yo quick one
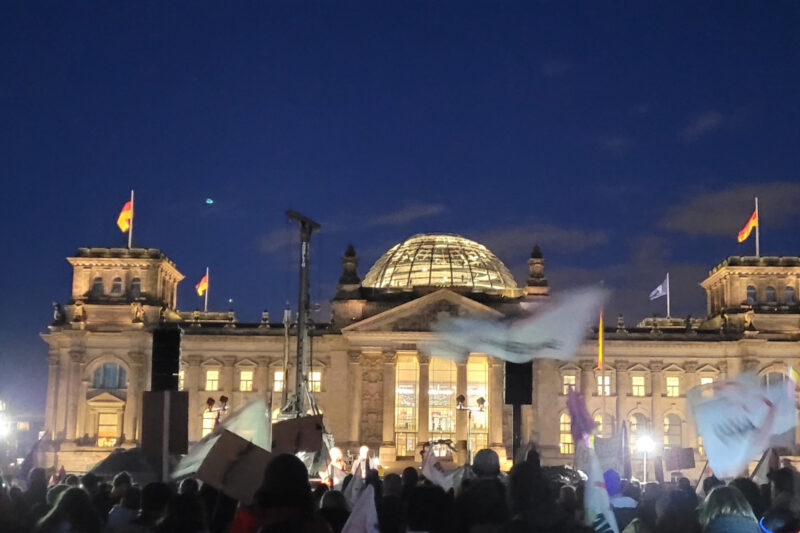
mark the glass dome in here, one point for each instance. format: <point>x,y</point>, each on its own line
<point>440,260</point>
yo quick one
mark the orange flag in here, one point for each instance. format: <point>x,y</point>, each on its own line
<point>752,222</point>
<point>600,343</point>
<point>125,216</point>
<point>202,286</point>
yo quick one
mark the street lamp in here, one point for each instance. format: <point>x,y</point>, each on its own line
<point>461,406</point>
<point>646,444</point>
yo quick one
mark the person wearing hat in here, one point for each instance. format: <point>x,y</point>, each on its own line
<point>481,503</point>
<point>624,507</point>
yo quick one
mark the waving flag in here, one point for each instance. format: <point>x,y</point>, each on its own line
<point>552,331</point>
<point>660,291</point>
<point>752,222</point>
<point>432,469</point>
<point>202,286</point>
<point>125,217</point>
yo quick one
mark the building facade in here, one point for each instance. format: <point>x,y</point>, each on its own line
<point>372,384</point>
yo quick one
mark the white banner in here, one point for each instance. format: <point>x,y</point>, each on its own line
<point>553,330</point>
<point>596,503</point>
<point>737,419</point>
<point>433,470</point>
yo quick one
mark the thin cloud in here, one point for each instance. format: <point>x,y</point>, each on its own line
<point>617,144</point>
<point>725,212</point>
<point>407,214</point>
<point>278,239</point>
<point>703,124</point>
<point>507,241</point>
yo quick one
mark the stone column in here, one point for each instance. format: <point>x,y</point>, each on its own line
<point>588,383</point>
<point>191,384</point>
<point>354,375</point>
<point>388,451</point>
<point>52,393</point>
<point>657,410</point>
<point>623,391</point>
<point>690,435</point>
<point>73,390</point>
<point>227,377</point>
<point>84,388</point>
<point>133,404</point>
<point>462,418</point>
<point>423,400</point>
<point>62,394</point>
<point>495,405</point>
<point>261,377</point>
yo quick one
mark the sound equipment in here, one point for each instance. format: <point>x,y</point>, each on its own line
<point>166,358</point>
<point>165,426</point>
<point>519,383</point>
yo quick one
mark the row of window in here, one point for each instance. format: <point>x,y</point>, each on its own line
<point>246,380</point>
<point>673,384</point>
<point>638,424</point>
<point>116,287</point>
<point>771,295</point>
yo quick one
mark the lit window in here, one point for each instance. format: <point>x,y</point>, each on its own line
<point>97,287</point>
<point>637,385</point>
<point>180,379</point>
<point>700,447</point>
<point>109,376</point>
<point>566,446</point>
<point>405,405</point>
<point>212,380</point>
<point>246,380</point>
<point>442,403</point>
<point>478,387</point>
<point>601,390</point>
<point>639,426</point>
<point>604,429</point>
<point>277,381</point>
<point>107,429</point>
<point>567,382</point>
<point>706,380</point>
<point>771,295</point>
<point>788,295</point>
<point>23,426</point>
<point>751,294</point>
<point>672,431</point>
<point>673,386</point>
<point>315,380</point>
<point>116,286</point>
<point>773,379</point>
<point>136,287</point>
<point>209,422</point>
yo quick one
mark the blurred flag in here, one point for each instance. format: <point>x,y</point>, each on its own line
<point>125,216</point>
<point>596,503</point>
<point>202,286</point>
<point>581,422</point>
<point>552,331</point>
<point>600,343</point>
<point>752,222</point>
<point>364,517</point>
<point>433,470</point>
<point>661,290</point>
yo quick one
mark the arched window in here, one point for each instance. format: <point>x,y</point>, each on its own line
<point>209,421</point>
<point>97,287</point>
<point>751,294</point>
<point>477,389</point>
<point>136,287</point>
<point>788,295</point>
<point>770,295</point>
<point>109,376</point>
<point>566,446</point>
<point>773,379</point>
<point>442,402</point>
<point>672,431</point>
<point>605,428</point>
<point>116,286</point>
<point>639,427</point>
<point>406,404</point>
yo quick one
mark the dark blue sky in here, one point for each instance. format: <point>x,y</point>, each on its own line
<point>627,142</point>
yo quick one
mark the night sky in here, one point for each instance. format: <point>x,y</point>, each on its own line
<point>627,142</point>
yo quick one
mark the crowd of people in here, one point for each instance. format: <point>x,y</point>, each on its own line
<point>524,500</point>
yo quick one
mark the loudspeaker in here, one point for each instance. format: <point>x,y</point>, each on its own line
<point>153,423</point>
<point>519,383</point>
<point>166,358</point>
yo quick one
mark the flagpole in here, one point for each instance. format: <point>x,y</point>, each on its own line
<point>130,226</point>
<point>602,375</point>
<point>205,304</point>
<point>758,225</point>
<point>668,315</point>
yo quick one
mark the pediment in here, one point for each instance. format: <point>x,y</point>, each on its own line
<point>419,314</point>
<point>105,399</point>
<point>672,367</point>
<point>569,366</point>
<point>638,367</point>
<point>708,369</point>
<point>245,363</point>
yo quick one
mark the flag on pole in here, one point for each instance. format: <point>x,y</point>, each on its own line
<point>600,343</point>
<point>660,291</point>
<point>433,470</point>
<point>202,287</point>
<point>125,217</point>
<point>752,222</point>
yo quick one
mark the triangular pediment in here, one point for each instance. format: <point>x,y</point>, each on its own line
<point>419,314</point>
<point>708,369</point>
<point>105,399</point>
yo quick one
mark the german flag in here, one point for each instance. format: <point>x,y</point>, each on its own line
<point>752,222</point>
<point>125,216</point>
<point>600,343</point>
<point>202,287</point>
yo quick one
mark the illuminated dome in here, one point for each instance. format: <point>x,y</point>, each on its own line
<point>441,260</point>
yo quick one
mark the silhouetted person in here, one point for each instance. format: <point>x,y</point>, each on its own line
<point>73,512</point>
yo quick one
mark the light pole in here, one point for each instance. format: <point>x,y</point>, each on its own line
<point>646,444</point>
<point>461,406</point>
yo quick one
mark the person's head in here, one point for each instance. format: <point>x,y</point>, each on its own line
<point>780,520</point>
<point>392,485</point>
<point>74,507</point>
<point>90,482</point>
<point>684,484</point>
<point>318,492</point>
<point>428,509</point>
<point>613,482</point>
<point>132,499</point>
<point>286,484</point>
<point>333,499</point>
<point>155,497</point>
<point>363,452</point>
<point>71,480</point>
<point>527,488</point>
<point>724,501</point>
<point>37,476</point>
<point>121,481</point>
<point>675,512</point>
<point>189,486</point>
<point>486,463</point>
<point>710,482</point>
<point>410,476</point>
<point>751,493</point>
<point>782,480</point>
<point>336,454</point>
<point>54,492</point>
<point>566,497</point>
